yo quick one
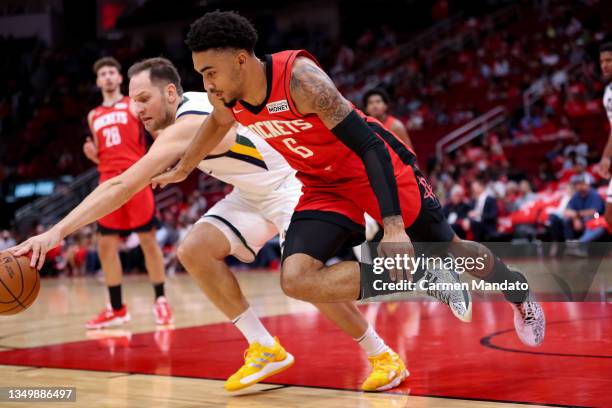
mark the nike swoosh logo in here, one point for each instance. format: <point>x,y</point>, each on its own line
<point>237,111</point>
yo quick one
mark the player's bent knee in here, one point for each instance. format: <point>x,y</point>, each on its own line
<point>186,251</point>
<point>203,242</point>
<point>293,276</point>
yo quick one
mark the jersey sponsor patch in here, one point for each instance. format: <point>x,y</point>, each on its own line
<point>278,106</point>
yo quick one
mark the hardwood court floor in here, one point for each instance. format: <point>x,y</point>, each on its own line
<point>452,364</point>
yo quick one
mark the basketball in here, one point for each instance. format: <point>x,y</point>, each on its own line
<point>19,284</point>
<point>312,200</point>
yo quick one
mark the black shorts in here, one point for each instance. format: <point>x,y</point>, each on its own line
<point>153,224</point>
<point>321,234</point>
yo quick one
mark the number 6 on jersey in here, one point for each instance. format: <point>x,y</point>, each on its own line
<point>301,150</point>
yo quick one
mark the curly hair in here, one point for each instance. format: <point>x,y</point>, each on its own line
<point>219,30</point>
<point>376,91</point>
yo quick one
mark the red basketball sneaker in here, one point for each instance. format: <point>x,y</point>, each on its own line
<point>162,312</point>
<point>109,317</point>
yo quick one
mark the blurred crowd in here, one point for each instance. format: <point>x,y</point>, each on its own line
<point>485,200</point>
<point>480,63</point>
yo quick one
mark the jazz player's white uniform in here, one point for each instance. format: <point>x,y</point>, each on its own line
<point>607,103</point>
<point>265,188</point>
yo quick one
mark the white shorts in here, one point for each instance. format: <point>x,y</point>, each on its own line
<point>609,193</point>
<point>249,222</point>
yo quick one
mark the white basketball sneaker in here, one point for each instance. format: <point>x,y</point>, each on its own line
<point>529,321</point>
<point>458,300</point>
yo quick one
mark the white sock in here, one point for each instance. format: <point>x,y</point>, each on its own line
<point>251,328</point>
<point>371,342</point>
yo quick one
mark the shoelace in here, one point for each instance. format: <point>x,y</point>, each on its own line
<point>382,363</point>
<point>443,295</point>
<point>527,311</point>
<point>250,356</point>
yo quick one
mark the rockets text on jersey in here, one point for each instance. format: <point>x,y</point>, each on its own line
<point>119,136</point>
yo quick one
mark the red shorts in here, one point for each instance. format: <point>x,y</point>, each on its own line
<point>353,199</point>
<point>137,215</point>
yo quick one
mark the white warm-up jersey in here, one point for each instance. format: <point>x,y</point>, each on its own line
<point>250,165</point>
<point>607,102</point>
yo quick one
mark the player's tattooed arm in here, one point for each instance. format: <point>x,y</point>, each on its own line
<point>313,91</point>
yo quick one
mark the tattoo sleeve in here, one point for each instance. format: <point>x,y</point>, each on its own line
<point>314,92</point>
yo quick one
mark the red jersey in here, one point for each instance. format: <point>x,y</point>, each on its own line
<point>334,176</point>
<point>305,142</point>
<point>389,121</point>
<point>119,136</point>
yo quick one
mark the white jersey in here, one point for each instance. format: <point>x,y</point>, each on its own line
<point>250,165</point>
<point>607,102</point>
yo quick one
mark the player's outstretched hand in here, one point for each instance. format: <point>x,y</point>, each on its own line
<point>396,243</point>
<point>174,175</point>
<point>603,168</point>
<point>38,245</point>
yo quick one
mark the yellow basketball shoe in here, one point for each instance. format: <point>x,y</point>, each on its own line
<point>388,371</point>
<point>259,363</point>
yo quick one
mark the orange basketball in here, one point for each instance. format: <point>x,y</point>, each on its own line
<point>19,284</point>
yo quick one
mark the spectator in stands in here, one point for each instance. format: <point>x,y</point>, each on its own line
<point>581,149</point>
<point>482,220</point>
<point>526,194</point>
<point>511,196</point>
<point>197,206</point>
<point>582,207</point>
<point>6,240</point>
<point>457,209</point>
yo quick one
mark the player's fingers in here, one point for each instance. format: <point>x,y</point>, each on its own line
<point>397,268</point>
<point>161,180</point>
<point>41,258</point>
<point>383,252</point>
<point>35,254</point>
<point>21,249</point>
<point>155,182</point>
<point>393,274</point>
<point>411,255</point>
